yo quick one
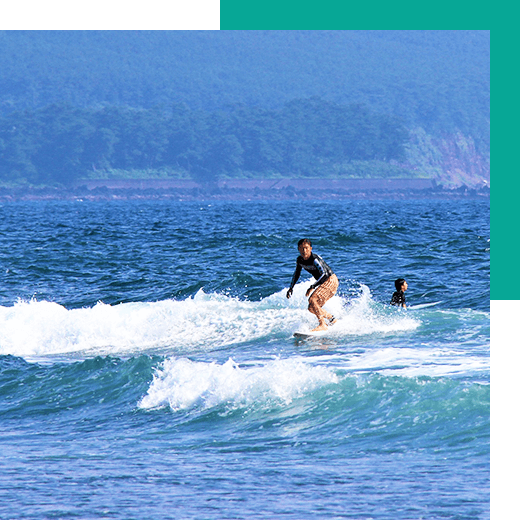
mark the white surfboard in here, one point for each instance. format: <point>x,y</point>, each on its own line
<point>310,334</point>
<point>423,305</point>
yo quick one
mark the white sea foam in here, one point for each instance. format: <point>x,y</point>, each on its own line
<point>202,322</point>
<point>363,316</point>
<point>182,384</point>
<point>416,362</point>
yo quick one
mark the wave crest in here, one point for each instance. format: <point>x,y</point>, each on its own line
<point>182,384</point>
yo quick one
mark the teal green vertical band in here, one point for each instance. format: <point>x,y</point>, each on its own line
<point>505,173</point>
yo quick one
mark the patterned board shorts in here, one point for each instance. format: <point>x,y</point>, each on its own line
<point>326,290</point>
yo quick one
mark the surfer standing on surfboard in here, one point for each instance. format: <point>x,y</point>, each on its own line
<point>322,290</point>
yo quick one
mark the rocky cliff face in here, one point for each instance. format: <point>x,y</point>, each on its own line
<point>451,160</point>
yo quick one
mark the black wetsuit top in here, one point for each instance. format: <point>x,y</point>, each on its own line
<point>314,265</point>
<point>398,298</point>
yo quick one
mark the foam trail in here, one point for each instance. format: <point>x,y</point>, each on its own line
<point>202,322</point>
<point>43,328</point>
<point>417,362</point>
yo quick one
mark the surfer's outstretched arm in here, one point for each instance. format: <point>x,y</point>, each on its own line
<point>295,278</point>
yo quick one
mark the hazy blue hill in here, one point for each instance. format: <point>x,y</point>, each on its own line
<point>206,104</point>
<point>438,80</point>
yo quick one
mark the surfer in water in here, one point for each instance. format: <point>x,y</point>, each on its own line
<point>322,290</point>
<point>398,297</point>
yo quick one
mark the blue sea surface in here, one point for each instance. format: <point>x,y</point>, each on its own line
<point>148,367</point>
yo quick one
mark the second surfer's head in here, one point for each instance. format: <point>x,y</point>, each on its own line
<point>401,284</point>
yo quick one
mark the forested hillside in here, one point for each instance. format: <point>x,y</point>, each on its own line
<point>75,101</point>
<point>60,143</point>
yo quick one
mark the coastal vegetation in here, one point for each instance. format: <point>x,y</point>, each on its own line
<point>60,143</point>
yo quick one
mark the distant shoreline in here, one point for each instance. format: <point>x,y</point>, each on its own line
<point>352,184</point>
<point>243,189</point>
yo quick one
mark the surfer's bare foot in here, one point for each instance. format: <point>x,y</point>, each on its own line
<point>322,326</point>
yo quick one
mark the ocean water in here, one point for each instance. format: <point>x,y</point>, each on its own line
<point>148,367</point>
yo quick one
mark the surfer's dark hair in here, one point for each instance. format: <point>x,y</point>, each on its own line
<point>304,241</point>
<point>398,283</point>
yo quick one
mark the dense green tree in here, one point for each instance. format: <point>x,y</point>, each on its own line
<point>63,132</point>
<point>60,143</point>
